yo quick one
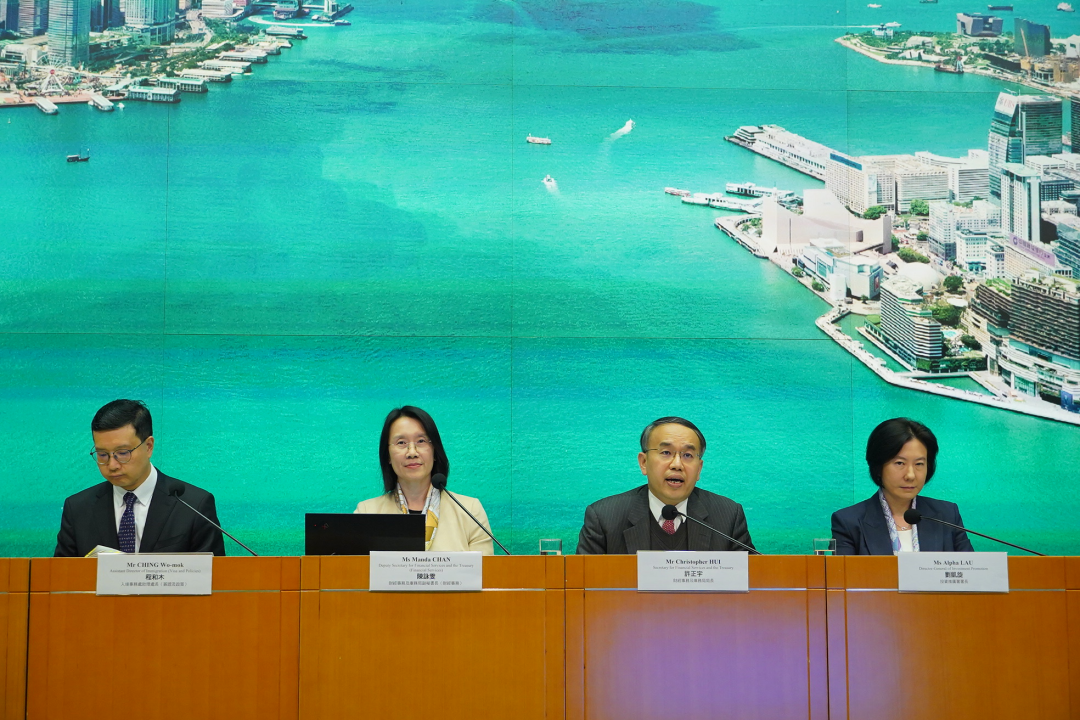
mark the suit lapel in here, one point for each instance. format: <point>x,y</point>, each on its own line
<point>636,536</point>
<point>161,507</point>
<point>931,534</point>
<point>104,518</point>
<point>698,537</point>
<point>875,535</point>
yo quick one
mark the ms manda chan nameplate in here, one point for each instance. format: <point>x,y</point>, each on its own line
<point>426,571</point>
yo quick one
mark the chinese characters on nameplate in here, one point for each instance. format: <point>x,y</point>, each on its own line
<point>153,574</point>
<point>978,572</point>
<point>413,571</point>
<point>693,571</point>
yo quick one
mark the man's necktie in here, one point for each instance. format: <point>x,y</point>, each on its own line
<point>126,533</point>
<point>669,526</point>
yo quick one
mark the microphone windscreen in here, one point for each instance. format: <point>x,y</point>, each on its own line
<point>438,481</point>
<point>912,516</point>
<point>670,512</point>
<point>177,490</point>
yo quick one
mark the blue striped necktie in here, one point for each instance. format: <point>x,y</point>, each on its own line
<point>126,533</point>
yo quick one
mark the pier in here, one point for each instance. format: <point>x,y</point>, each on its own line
<point>46,106</point>
<point>154,94</point>
<point>101,102</point>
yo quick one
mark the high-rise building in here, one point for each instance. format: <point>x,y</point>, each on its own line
<point>1068,249</point>
<point>1046,314</point>
<point>978,25</point>
<point>907,327</point>
<point>154,20</point>
<point>69,32</point>
<point>33,17</point>
<point>1074,115</point>
<point>859,183</point>
<point>105,14</point>
<point>1031,39</point>
<point>9,15</point>
<point>947,220</point>
<point>1020,202</point>
<point>969,177</point>
<point>1022,125</point>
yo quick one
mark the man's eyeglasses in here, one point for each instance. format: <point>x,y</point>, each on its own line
<point>668,455</point>
<point>122,456</point>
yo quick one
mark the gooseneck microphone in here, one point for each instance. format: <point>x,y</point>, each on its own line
<point>670,512</point>
<point>438,481</point>
<point>178,490</point>
<point>913,516</point>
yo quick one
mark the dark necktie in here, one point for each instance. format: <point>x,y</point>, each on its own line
<point>126,533</point>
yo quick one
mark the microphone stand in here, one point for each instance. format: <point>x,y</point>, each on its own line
<point>1018,547</point>
<point>177,496</point>
<point>480,524</point>
<point>723,535</point>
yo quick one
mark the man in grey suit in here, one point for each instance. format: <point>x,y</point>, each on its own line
<point>671,459</point>
<point>136,508</point>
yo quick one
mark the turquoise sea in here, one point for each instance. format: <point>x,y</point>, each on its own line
<point>360,224</point>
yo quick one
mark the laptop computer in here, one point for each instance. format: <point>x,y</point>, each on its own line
<point>352,534</point>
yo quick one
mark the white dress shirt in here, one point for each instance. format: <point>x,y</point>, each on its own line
<point>656,506</point>
<point>143,494</point>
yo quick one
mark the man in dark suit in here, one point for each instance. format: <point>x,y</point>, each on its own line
<point>670,457</point>
<point>135,510</point>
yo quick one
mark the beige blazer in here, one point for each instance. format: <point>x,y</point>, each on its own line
<point>456,530</point>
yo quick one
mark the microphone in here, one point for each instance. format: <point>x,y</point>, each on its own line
<point>913,516</point>
<point>178,490</point>
<point>670,512</point>
<point>438,481</point>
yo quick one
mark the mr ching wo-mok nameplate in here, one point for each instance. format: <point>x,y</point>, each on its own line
<point>152,574</point>
<point>426,571</point>
<point>682,571</point>
<point>973,572</point>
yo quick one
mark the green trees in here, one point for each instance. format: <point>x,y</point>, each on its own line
<point>946,314</point>
<point>954,283</point>
<point>908,255</point>
<point>797,272</point>
<point>818,287</point>
<point>971,342</point>
<point>874,212</point>
<point>920,207</point>
<point>923,236</point>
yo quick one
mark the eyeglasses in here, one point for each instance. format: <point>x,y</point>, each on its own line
<point>122,456</point>
<point>669,455</point>
<point>403,446</point>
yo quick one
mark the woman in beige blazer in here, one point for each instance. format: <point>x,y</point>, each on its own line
<point>410,452</point>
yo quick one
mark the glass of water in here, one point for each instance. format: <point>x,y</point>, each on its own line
<point>824,546</point>
<point>551,547</point>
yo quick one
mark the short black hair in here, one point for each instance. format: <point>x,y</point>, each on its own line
<point>887,438</point>
<point>669,421</point>
<point>119,413</point>
<point>441,464</point>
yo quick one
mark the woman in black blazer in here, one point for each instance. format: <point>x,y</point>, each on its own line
<point>901,455</point>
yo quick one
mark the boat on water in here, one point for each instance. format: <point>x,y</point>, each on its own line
<point>1065,7</point>
<point>873,5</point>
<point>537,140</point>
<point>340,23</point>
<point>81,157</point>
<point>892,24</point>
<point>927,2</point>
<point>676,191</point>
<point>549,181</point>
<point>1000,8</point>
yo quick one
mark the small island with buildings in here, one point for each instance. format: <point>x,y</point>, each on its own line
<point>960,266</point>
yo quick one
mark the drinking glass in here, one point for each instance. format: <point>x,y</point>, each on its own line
<point>551,547</point>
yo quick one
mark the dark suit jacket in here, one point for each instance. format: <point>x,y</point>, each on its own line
<point>89,519</point>
<point>619,525</point>
<point>861,530</point>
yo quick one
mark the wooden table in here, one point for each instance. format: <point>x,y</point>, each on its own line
<point>14,599</point>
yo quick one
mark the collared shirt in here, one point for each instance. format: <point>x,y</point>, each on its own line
<point>143,494</point>
<point>656,506</point>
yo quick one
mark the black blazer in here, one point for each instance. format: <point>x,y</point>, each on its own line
<point>89,519</point>
<point>619,525</point>
<point>861,530</point>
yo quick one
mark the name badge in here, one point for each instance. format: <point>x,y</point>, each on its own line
<point>153,574</point>
<point>425,572</point>
<point>682,571</point>
<point>971,572</point>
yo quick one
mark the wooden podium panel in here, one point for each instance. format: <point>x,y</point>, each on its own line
<point>951,656</point>
<point>493,654</point>
<point>14,586</point>
<point>232,654</point>
<point>696,656</point>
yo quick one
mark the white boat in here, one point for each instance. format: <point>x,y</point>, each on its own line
<point>676,191</point>
<point>873,5</point>
<point>549,181</point>
<point>1065,7</point>
<point>537,140</point>
<point>697,199</point>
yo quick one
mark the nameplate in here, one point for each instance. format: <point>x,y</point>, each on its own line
<point>969,572</point>
<point>153,574</point>
<point>425,572</point>
<point>693,571</point>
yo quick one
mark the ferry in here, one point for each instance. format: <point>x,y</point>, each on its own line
<point>549,181</point>
<point>1000,8</point>
<point>81,157</point>
<point>698,199</point>
<point>676,191</point>
<point>341,23</point>
<point>873,5</point>
<point>537,140</point>
<point>1065,7</point>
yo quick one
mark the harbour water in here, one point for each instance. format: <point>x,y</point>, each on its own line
<point>360,223</point>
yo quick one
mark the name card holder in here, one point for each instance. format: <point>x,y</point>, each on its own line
<point>155,574</point>
<point>426,572</point>
<point>965,572</point>
<point>682,571</point>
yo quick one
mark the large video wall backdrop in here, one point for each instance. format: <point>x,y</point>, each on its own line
<point>359,224</point>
